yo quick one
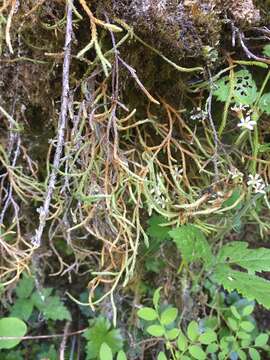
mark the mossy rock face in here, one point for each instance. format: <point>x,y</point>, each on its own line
<point>183,28</point>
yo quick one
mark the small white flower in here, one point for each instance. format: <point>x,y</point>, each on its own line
<point>177,171</point>
<point>235,173</point>
<point>247,123</point>
<point>239,107</point>
<point>257,183</point>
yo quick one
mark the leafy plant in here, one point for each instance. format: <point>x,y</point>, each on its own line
<point>42,300</point>
<point>102,341</point>
<point>242,87</point>
<point>193,247</point>
<point>236,339</point>
<point>11,326</point>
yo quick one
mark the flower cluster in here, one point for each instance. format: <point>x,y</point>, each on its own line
<point>244,116</point>
<point>256,183</point>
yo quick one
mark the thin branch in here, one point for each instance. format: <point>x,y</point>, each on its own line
<point>38,337</point>
<point>44,210</point>
<point>64,341</point>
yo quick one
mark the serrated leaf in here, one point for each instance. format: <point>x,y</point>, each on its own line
<point>237,253</point>
<point>168,316</point>
<point>197,352</point>
<point>193,330</point>
<point>250,286</point>
<point>11,326</point>
<point>25,287</point>
<point>244,89</point>
<point>99,332</point>
<point>264,103</point>
<point>155,330</point>
<point>261,340</point>
<point>105,352</point>
<point>156,231</point>
<point>147,314</point>
<point>208,337</point>
<point>254,354</point>
<point>162,356</point>
<point>51,306</point>
<point>191,243</point>
<point>121,355</point>
<point>22,309</point>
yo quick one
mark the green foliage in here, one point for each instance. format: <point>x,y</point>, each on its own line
<point>193,245</point>
<point>242,87</point>
<point>236,338</point>
<point>266,50</point>
<point>28,300</point>
<point>155,230</point>
<point>50,306</point>
<point>100,332</point>
<point>11,326</point>
<point>264,103</point>
<point>249,285</point>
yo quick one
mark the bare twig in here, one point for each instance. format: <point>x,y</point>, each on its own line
<point>64,341</point>
<point>44,210</point>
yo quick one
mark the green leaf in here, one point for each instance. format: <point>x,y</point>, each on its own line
<point>245,343</point>
<point>121,355</point>
<point>51,306</point>
<point>261,340</point>
<point>155,330</point>
<point>191,243</point>
<point>212,348</point>
<point>25,287</point>
<point>235,312</point>
<point>172,333</point>
<point>99,332</point>
<point>193,330</point>
<point>248,310</point>
<point>232,199</point>
<point>197,352</point>
<point>237,252</point>
<point>243,335</point>
<point>242,355</point>
<point>168,316</point>
<point>162,356</point>
<point>250,286</point>
<point>156,231</point>
<point>22,309</point>
<point>254,354</point>
<point>208,337</point>
<point>105,352</point>
<point>244,89</point>
<point>266,50</point>
<point>11,326</point>
<point>182,342</point>
<point>232,323</point>
<point>247,326</point>
<point>156,298</point>
<point>147,314</point>
<point>264,103</point>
